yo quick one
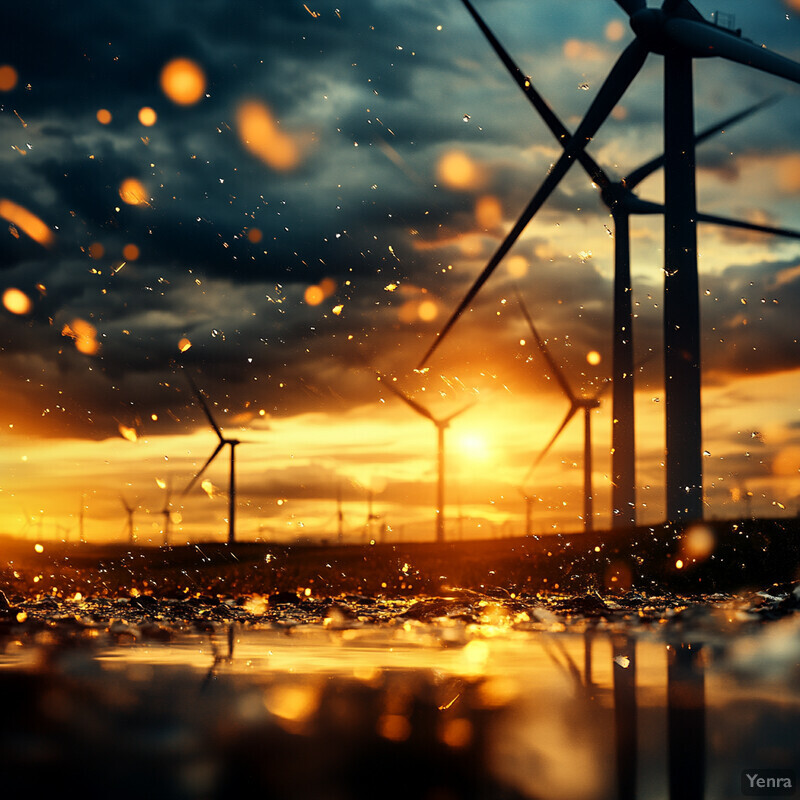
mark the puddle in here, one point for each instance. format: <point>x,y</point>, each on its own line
<point>418,710</point>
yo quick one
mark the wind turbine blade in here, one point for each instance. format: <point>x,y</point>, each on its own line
<point>640,173</point>
<point>602,390</point>
<point>563,136</point>
<point>555,369</point>
<point>705,39</point>
<point>205,466</point>
<point>630,7</point>
<point>458,413</point>
<point>682,8</point>
<point>748,226</point>
<point>618,80</point>
<point>406,399</point>
<point>570,414</point>
<point>206,409</point>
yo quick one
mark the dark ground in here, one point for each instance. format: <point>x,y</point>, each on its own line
<point>745,554</point>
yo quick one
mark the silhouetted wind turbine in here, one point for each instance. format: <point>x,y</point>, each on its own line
<point>166,513</point>
<point>232,475</point>
<point>441,426</point>
<point>576,404</point>
<point>622,202</point>
<point>129,510</point>
<point>680,34</point>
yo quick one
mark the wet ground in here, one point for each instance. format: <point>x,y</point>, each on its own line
<point>467,694</point>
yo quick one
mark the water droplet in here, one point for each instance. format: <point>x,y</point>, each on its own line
<point>584,87</point>
<point>466,118</point>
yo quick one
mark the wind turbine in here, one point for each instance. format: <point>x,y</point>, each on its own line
<point>165,512</point>
<point>677,32</point>
<point>576,403</point>
<point>232,443</point>
<point>130,511</point>
<point>622,202</point>
<point>442,424</point>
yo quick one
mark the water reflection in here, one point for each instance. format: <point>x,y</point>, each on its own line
<point>419,710</point>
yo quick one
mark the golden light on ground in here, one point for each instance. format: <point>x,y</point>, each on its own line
<point>130,252</point>
<point>254,235</point>
<point>96,250</point>
<point>104,116</point>
<point>26,221</point>
<point>593,358</point>
<point>147,116</point>
<point>184,344</point>
<point>488,212</point>
<point>457,170</point>
<point>84,334</point>
<point>313,295</point>
<point>8,78</point>
<point>517,266</point>
<point>262,136</point>
<point>615,30</point>
<point>16,301</point>
<point>132,192</point>
<point>183,81</point>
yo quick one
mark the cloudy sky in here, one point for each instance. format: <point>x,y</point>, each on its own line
<point>310,210</point>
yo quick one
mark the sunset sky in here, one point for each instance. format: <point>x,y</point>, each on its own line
<point>303,200</point>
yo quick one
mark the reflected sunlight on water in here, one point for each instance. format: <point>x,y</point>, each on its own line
<point>591,714</point>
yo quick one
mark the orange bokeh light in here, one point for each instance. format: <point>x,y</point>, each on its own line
<point>328,286</point>
<point>16,301</point>
<point>314,295</point>
<point>428,311</point>
<point>488,212</point>
<point>96,250</point>
<point>517,266</point>
<point>254,235</point>
<point>28,222</point>
<point>593,357</point>
<point>84,334</point>
<point>457,170</point>
<point>262,136</point>
<point>183,81</point>
<point>132,192</point>
<point>147,116</point>
<point>184,344</point>
<point>130,252</point>
<point>104,116</point>
<point>615,30</point>
<point>8,78</point>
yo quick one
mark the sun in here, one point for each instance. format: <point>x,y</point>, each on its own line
<point>474,446</point>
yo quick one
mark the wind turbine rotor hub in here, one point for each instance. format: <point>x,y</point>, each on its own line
<point>616,195</point>
<point>648,25</point>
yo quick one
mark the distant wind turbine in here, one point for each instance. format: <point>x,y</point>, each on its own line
<point>223,440</point>
<point>576,404</point>
<point>166,512</point>
<point>679,33</point>
<point>130,511</point>
<point>622,202</point>
<point>441,426</point>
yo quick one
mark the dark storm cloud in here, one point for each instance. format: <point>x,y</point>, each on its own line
<point>379,76</point>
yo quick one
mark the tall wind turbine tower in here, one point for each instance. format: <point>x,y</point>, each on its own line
<point>679,33</point>
<point>442,424</point>
<point>223,440</point>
